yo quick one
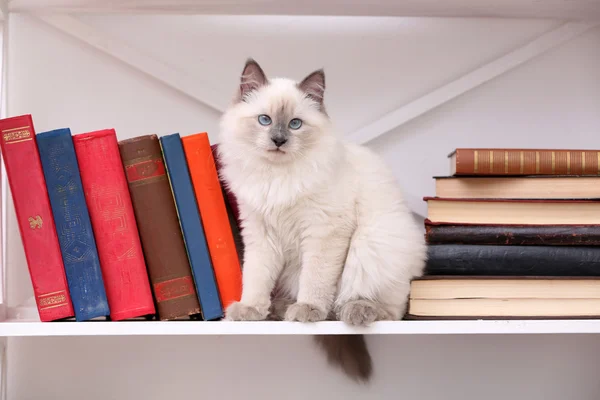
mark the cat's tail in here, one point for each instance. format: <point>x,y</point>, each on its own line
<point>348,352</point>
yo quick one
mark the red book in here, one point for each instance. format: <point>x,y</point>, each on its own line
<point>114,225</point>
<point>35,218</point>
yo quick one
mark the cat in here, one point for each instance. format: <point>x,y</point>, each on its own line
<point>326,232</point>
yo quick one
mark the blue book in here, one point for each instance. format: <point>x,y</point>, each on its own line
<point>73,225</point>
<point>191,226</point>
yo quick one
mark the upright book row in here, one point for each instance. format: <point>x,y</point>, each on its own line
<point>513,233</point>
<point>126,229</point>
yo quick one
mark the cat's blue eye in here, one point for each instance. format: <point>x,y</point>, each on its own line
<point>264,119</point>
<point>295,123</point>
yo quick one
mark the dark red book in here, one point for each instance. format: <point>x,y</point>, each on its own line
<point>35,218</point>
<point>114,225</point>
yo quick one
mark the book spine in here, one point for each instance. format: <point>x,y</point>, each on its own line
<point>73,225</point>
<point>191,226</point>
<point>470,260</point>
<point>113,222</point>
<point>527,162</point>
<point>160,232</point>
<point>213,213</point>
<point>233,211</point>
<point>532,235</point>
<point>35,219</point>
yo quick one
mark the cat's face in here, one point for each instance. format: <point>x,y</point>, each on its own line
<point>277,120</point>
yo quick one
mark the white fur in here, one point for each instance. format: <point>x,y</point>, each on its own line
<point>324,223</point>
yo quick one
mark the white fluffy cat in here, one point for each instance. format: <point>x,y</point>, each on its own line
<point>325,228</point>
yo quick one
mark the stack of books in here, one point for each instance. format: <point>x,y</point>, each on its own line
<point>513,233</point>
<point>138,228</point>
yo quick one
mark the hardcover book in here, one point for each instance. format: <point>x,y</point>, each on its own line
<point>113,222</point>
<point>524,162</point>
<point>513,212</point>
<point>457,259</point>
<point>519,187</point>
<point>160,232</point>
<point>73,225</point>
<point>511,235</point>
<point>213,213</point>
<point>191,226</point>
<point>35,219</point>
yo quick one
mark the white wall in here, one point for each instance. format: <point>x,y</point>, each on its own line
<point>373,66</point>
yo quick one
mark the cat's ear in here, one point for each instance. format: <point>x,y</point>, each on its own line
<point>314,86</point>
<point>252,78</point>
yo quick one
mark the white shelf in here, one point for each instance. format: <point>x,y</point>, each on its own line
<point>572,9</point>
<point>168,328</point>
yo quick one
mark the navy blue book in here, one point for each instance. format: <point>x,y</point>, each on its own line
<point>73,226</point>
<point>191,226</point>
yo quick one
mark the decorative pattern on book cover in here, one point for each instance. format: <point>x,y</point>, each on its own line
<point>191,226</point>
<point>513,235</point>
<point>214,217</point>
<point>465,259</point>
<point>113,222</point>
<point>158,223</point>
<point>231,204</point>
<point>73,225</point>
<point>35,219</point>
<point>526,162</point>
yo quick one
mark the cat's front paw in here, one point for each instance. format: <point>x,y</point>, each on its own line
<point>303,312</point>
<point>360,313</point>
<point>241,312</point>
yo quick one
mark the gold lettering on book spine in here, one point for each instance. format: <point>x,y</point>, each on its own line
<point>491,162</point>
<point>537,162</point>
<point>17,135</point>
<point>583,162</point>
<point>476,161</point>
<point>568,162</point>
<point>52,301</point>
<point>35,222</point>
<point>521,162</point>
<point>553,161</point>
<point>506,162</point>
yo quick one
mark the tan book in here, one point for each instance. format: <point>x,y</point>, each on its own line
<point>524,187</point>
<point>513,212</point>
<point>496,287</point>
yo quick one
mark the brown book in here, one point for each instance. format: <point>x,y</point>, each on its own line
<point>158,224</point>
<point>519,187</point>
<point>513,212</point>
<point>524,162</point>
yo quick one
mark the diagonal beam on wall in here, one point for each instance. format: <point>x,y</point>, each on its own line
<point>471,80</point>
<point>183,82</point>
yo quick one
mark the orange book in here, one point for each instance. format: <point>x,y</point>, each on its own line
<point>213,213</point>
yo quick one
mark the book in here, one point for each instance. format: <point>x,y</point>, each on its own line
<point>213,213</point>
<point>73,225</point>
<point>233,211</point>
<point>513,212</point>
<point>114,225</point>
<point>158,224</point>
<point>504,287</point>
<point>503,308</point>
<point>35,220</point>
<point>191,226</point>
<point>510,235</point>
<point>486,297</point>
<point>524,162</point>
<point>519,187</point>
<point>460,259</point>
